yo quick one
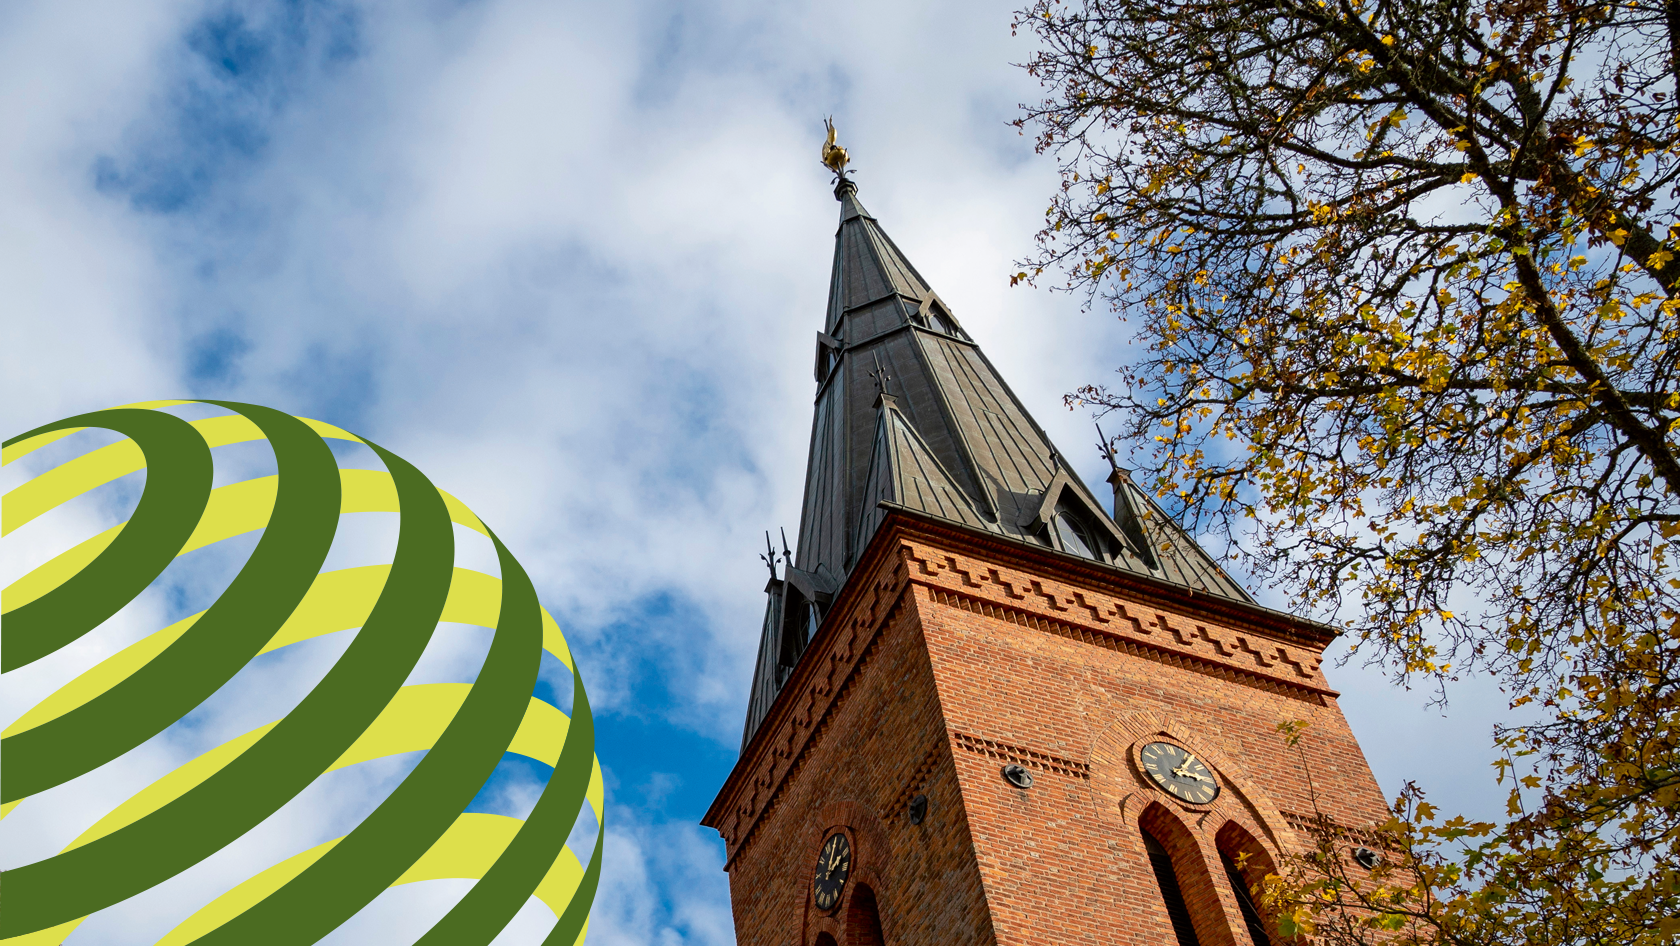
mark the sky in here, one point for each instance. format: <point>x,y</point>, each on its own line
<point>569,260</point>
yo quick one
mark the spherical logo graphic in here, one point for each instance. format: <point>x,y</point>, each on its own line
<point>362,709</point>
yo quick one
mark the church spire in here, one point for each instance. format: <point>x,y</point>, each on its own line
<point>910,412</point>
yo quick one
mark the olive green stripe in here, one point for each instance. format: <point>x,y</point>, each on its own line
<point>264,777</point>
<point>498,895</point>
<point>373,855</point>
<point>80,420</point>
<point>570,925</point>
<point>178,477</point>
<point>234,629</point>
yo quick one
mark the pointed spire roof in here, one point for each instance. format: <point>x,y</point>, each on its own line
<point>909,411</point>
<point>868,266</point>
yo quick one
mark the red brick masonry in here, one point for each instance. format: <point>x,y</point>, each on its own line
<point>951,653</point>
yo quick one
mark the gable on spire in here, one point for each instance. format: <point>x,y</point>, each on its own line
<point>903,471</point>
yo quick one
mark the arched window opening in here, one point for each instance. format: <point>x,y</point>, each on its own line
<point>1167,879</point>
<point>823,939</point>
<point>798,617</point>
<point>932,315</point>
<point>863,919</point>
<point>813,620</point>
<point>1245,902</point>
<point>1246,865</point>
<point>1076,534</point>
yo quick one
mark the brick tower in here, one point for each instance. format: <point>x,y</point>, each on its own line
<point>989,708</point>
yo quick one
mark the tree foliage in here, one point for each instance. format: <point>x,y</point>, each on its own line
<point>1403,279</point>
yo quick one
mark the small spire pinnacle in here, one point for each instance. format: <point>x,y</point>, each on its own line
<point>1115,470</point>
<point>882,377</point>
<point>769,555</point>
<point>1114,467</point>
<point>787,556</point>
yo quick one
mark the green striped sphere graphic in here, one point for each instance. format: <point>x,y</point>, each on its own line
<point>361,710</point>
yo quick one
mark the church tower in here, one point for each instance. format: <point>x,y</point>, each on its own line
<point>988,706</point>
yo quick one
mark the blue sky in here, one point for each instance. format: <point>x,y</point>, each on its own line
<point>568,259</point>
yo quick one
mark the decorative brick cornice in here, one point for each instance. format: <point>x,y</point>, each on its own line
<point>799,717</point>
<point>797,736</point>
<point>1020,755</point>
<point>1293,690</point>
<point>1309,827</point>
<point>1096,615</point>
<point>1033,560</point>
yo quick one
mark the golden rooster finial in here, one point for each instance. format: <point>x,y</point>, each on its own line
<point>834,157</point>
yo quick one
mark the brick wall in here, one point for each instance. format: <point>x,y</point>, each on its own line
<point>950,654</point>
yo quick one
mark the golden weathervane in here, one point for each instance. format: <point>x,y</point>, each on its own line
<point>834,157</point>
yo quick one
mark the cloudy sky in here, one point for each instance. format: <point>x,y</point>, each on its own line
<point>568,259</point>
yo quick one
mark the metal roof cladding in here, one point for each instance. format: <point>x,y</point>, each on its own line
<point>910,412</point>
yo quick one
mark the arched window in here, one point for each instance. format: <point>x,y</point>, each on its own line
<point>863,919</point>
<point>1075,533</point>
<point>1173,896</point>
<point>933,315</point>
<point>1238,847</point>
<point>1245,902</point>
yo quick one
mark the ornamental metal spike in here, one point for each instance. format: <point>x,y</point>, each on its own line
<point>768,556</point>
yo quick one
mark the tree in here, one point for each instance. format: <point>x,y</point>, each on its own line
<point>1403,280</point>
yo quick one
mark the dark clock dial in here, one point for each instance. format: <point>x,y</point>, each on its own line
<point>1179,772</point>
<point>834,863</point>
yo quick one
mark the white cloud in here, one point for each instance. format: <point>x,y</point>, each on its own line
<point>82,285</point>
<point>663,885</point>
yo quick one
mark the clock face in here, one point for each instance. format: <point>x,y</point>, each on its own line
<point>834,863</point>
<point>1179,772</point>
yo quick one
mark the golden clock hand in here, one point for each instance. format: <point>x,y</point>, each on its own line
<point>1181,772</point>
<point>1192,758</point>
